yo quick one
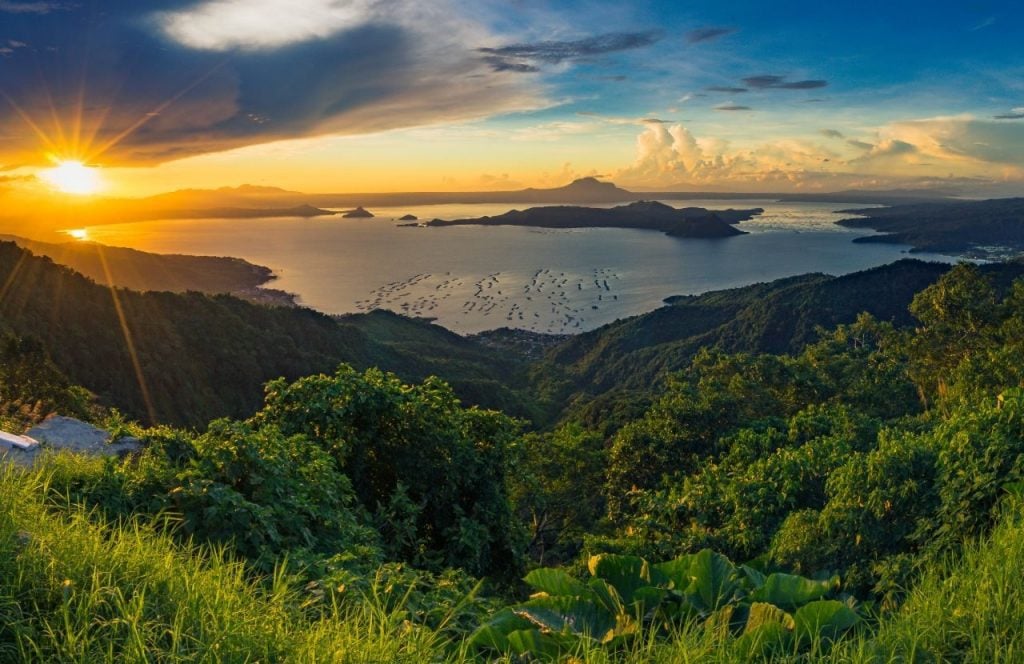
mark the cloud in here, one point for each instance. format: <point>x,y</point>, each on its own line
<point>165,82</point>
<point>969,144</point>
<point>621,120</point>
<point>892,148</point>
<point>724,88</point>
<point>34,7</point>
<point>707,34</point>
<point>672,156</point>
<point>831,133</point>
<point>1014,114</point>
<point>499,63</point>
<point>506,58</point>
<point>961,153</point>
<point>11,46</point>
<point>770,81</point>
<point>991,20</point>
<point>227,24</point>
<point>732,107</point>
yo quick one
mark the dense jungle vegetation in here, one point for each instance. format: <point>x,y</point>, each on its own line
<point>818,469</point>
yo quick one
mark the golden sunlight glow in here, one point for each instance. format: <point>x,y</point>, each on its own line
<point>79,234</point>
<point>73,177</point>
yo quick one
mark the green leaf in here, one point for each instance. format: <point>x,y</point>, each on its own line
<point>568,615</point>
<point>677,572</point>
<point>557,582</point>
<point>625,573</point>
<point>755,578</point>
<point>714,579</point>
<point>791,591</point>
<point>533,642</point>
<point>607,596</point>
<point>762,613</point>
<point>826,619</point>
<point>647,599</point>
<point>494,634</point>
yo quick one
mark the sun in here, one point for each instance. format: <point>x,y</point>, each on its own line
<point>73,177</point>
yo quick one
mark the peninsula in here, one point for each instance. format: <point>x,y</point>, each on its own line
<point>984,229</point>
<point>691,222</point>
<point>144,271</point>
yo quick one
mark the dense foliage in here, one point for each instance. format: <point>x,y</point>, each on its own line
<point>627,596</point>
<point>856,465</point>
<point>355,465</point>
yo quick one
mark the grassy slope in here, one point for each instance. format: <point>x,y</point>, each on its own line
<point>73,589</point>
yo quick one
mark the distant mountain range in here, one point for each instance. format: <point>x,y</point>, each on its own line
<point>249,201</point>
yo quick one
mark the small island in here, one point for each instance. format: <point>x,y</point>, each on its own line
<point>358,213</point>
<point>408,217</point>
<point>691,222</point>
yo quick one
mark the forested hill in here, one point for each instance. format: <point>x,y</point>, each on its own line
<point>953,227</point>
<point>615,366</point>
<point>202,356</point>
<point>144,271</point>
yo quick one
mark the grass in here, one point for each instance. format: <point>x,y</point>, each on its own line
<point>74,588</point>
<point>965,609</point>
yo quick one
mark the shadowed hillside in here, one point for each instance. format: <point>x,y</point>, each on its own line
<point>202,356</point>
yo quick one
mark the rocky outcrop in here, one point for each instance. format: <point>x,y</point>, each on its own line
<point>63,433</point>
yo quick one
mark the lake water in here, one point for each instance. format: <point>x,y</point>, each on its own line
<point>473,278</point>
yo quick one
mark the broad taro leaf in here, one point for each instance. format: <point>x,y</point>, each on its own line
<point>647,599</point>
<point>494,633</point>
<point>755,578</point>
<point>558,583</point>
<point>535,643</point>
<point>826,619</point>
<point>790,591</point>
<point>762,613</point>
<point>607,596</point>
<point>568,615</point>
<point>714,580</point>
<point>625,573</point>
<point>720,622</point>
<point>677,572</point>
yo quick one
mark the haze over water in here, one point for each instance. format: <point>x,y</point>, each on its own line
<point>474,278</point>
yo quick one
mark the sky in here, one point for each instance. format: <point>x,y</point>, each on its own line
<point>464,95</point>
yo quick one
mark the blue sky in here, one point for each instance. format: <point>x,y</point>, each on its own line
<point>702,95</point>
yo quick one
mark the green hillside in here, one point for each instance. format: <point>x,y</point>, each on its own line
<point>201,356</point>
<point>856,500</point>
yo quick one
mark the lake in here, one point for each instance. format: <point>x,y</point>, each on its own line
<point>474,278</point>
